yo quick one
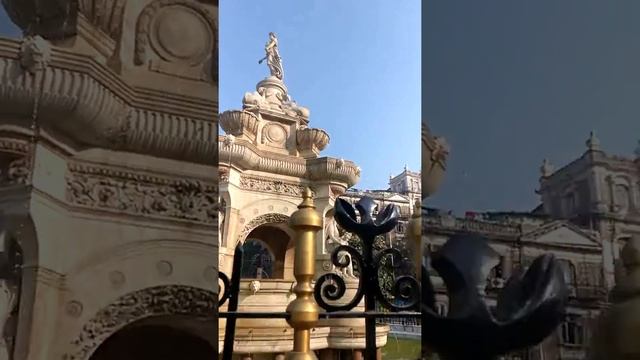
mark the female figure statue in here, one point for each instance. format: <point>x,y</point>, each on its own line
<point>273,57</point>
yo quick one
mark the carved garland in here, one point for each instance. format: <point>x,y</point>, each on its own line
<point>271,218</point>
<point>155,301</point>
<point>146,17</point>
<point>271,186</point>
<point>140,194</point>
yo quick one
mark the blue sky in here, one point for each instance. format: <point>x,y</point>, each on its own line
<point>509,83</point>
<point>7,28</point>
<point>355,64</point>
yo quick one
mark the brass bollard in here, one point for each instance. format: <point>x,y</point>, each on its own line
<point>415,233</point>
<point>616,337</point>
<point>303,311</point>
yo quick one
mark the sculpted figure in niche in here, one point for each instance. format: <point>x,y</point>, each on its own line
<point>10,264</point>
<point>333,240</point>
<point>273,57</point>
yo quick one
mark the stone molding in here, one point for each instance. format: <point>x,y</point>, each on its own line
<point>101,110</point>
<point>247,157</point>
<point>145,303</point>
<point>254,183</point>
<point>110,189</point>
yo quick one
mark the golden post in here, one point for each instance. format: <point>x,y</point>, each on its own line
<point>415,233</point>
<point>303,311</point>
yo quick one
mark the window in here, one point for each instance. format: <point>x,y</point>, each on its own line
<point>569,271</point>
<point>570,204</point>
<point>257,262</point>
<point>572,331</point>
<point>622,197</point>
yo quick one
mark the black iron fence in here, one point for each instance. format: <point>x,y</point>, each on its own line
<point>396,303</point>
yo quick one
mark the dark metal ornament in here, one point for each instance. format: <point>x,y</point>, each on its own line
<point>529,308</point>
<point>405,290</point>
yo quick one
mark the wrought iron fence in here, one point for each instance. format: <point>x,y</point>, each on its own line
<point>398,302</point>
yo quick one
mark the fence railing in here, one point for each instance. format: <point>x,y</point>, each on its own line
<point>397,303</point>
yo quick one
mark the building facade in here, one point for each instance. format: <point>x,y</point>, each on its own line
<point>589,208</point>
<point>108,192</point>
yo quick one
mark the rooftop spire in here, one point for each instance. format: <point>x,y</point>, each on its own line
<point>593,143</point>
<point>546,169</point>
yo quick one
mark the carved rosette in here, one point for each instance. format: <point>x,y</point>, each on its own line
<point>311,141</point>
<point>155,301</point>
<point>177,37</point>
<point>124,192</point>
<point>274,134</point>
<point>239,123</point>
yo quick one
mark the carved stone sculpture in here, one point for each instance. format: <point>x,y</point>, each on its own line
<point>273,57</point>
<point>333,240</point>
<point>434,158</point>
<point>35,53</point>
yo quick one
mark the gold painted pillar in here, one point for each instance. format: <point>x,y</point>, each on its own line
<point>303,311</point>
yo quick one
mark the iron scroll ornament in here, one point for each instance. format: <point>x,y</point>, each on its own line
<point>405,289</point>
<point>529,308</point>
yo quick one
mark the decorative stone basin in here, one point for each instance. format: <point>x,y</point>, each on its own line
<point>314,140</point>
<point>239,122</point>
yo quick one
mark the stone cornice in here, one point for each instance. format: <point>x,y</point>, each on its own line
<point>246,156</point>
<point>100,109</point>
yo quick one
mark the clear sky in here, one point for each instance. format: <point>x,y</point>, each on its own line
<point>355,64</point>
<point>7,28</point>
<point>509,83</point>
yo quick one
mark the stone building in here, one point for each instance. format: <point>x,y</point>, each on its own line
<point>588,209</point>
<point>108,188</point>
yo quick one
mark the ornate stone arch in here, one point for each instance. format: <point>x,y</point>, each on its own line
<point>138,305</point>
<point>271,218</point>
